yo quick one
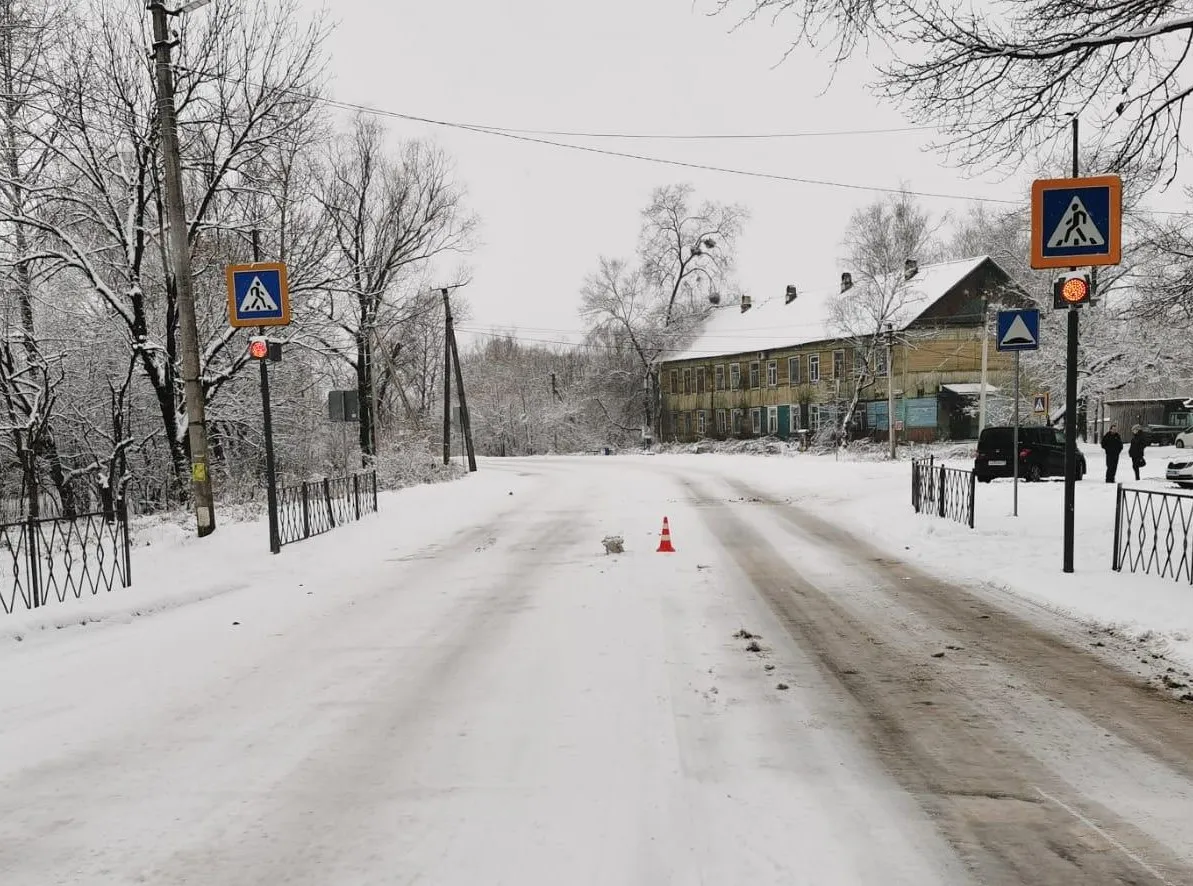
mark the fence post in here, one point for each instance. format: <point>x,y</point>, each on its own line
<point>915,504</point>
<point>356,493</point>
<point>122,528</point>
<point>331,513</point>
<point>1115,560</point>
<point>940,492</point>
<point>973,487</point>
<point>34,564</point>
<point>306,511</point>
<point>373,473</point>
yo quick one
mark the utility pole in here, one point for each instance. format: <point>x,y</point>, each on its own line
<point>465,422</point>
<point>447,380</point>
<point>890,386</point>
<point>271,476</point>
<point>1071,413</point>
<point>180,261</point>
<point>985,351</point>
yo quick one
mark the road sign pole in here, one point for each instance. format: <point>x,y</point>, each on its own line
<point>271,480</point>
<point>1015,445</point>
<point>1070,438</point>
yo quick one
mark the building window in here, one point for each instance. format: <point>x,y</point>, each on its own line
<point>719,377</point>
<point>793,370</point>
<point>700,380</point>
<point>772,372</point>
<point>737,421</point>
<point>838,364</point>
<point>734,376</point>
<point>700,422</point>
<point>814,367</point>
<point>674,381</point>
<point>772,419</point>
<point>675,424</point>
<point>795,424</point>
<point>880,361</point>
<point>721,421</point>
<point>687,424</point>
<point>687,381</point>
<point>756,421</point>
<point>814,417</point>
<point>754,374</point>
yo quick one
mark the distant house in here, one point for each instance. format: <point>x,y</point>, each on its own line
<point>783,367</point>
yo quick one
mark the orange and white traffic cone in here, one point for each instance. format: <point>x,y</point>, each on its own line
<point>665,540</point>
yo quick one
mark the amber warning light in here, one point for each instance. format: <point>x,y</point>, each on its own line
<point>261,348</point>
<point>1071,289</point>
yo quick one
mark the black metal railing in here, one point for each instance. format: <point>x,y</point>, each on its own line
<point>57,558</point>
<point>942,492</point>
<point>1153,533</point>
<point>318,506</point>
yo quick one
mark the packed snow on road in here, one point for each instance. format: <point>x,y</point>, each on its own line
<point>473,686</point>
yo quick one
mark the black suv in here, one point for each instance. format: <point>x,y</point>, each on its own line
<point>1041,453</point>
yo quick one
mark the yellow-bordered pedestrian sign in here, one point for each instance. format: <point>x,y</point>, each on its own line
<point>258,295</point>
<point>1076,222</point>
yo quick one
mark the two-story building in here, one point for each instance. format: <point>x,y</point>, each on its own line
<point>790,364</point>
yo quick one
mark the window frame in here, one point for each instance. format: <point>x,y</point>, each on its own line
<point>735,376</point>
<point>772,420</point>
<point>719,377</point>
<point>772,373</point>
<point>793,421</point>
<point>687,381</point>
<point>793,363</point>
<point>737,421</point>
<point>839,353</point>
<point>674,382</point>
<point>701,423</point>
<point>756,421</point>
<point>701,380</point>
<point>755,375</point>
<point>814,368</point>
<point>722,421</point>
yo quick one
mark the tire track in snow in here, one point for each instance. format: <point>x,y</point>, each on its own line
<point>982,787</point>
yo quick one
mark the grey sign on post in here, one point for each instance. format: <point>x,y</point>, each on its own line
<point>343,406</point>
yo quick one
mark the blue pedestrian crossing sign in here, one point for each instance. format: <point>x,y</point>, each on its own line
<point>258,295</point>
<point>1019,330</point>
<point>1076,222</point>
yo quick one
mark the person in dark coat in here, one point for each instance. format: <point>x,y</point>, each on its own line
<point>1113,444</point>
<point>1138,444</point>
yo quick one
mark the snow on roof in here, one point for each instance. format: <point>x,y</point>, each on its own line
<point>970,388</point>
<point>773,324</point>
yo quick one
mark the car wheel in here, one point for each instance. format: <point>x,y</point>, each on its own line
<point>1034,474</point>
<point>1180,444</point>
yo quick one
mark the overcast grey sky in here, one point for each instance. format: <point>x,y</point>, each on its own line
<point>632,66</point>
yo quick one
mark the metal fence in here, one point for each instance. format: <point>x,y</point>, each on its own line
<point>57,558</point>
<point>1152,533</point>
<point>319,506</point>
<point>943,492</point>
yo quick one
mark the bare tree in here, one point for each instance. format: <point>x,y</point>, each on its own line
<point>390,217</point>
<point>1003,79</point>
<point>881,237</point>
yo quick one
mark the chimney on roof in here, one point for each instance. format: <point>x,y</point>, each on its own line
<point>846,281</point>
<point>910,267</point>
<point>745,303</point>
<point>791,295</point>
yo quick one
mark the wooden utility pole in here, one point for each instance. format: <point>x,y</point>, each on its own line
<point>180,265</point>
<point>452,363</point>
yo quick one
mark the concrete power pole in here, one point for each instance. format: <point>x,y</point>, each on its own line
<point>985,351</point>
<point>890,387</point>
<point>180,262</point>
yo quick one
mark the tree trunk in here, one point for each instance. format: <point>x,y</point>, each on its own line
<point>364,392</point>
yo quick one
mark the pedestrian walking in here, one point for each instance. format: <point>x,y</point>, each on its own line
<point>1138,444</point>
<point>1112,443</point>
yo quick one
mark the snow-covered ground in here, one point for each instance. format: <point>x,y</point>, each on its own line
<point>466,689</point>
<point>1023,555</point>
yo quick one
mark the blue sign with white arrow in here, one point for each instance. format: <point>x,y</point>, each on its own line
<point>1019,330</point>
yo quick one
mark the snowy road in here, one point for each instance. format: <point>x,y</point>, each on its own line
<point>501,703</point>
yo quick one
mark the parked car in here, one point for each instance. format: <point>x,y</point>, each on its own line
<point>1041,454</point>
<point>1161,435</point>
<point>1184,438</point>
<point>1180,471</point>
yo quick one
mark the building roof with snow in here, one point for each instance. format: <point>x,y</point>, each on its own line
<point>776,323</point>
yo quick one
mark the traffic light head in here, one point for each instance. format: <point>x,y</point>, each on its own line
<point>1072,289</point>
<point>261,348</point>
